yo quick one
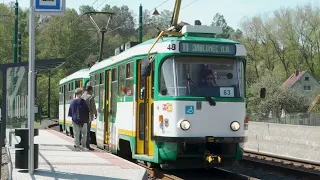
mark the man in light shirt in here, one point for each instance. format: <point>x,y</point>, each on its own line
<point>89,97</point>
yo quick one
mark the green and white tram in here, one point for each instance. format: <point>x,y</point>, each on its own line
<point>175,99</point>
<point>67,87</point>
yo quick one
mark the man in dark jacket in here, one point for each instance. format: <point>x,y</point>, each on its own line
<point>79,111</point>
<point>89,97</point>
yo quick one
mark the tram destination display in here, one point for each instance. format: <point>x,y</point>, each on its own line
<point>207,48</point>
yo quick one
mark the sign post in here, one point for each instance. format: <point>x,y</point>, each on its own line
<point>42,7</point>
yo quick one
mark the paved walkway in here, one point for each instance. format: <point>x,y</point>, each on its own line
<point>59,160</point>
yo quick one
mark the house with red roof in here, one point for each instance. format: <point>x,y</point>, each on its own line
<point>302,81</point>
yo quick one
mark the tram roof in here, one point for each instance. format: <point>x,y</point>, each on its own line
<point>83,73</point>
<point>191,38</point>
<point>161,47</point>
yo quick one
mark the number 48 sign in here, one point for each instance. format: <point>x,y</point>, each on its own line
<point>50,7</point>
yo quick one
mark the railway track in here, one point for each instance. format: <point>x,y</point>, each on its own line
<point>296,172</point>
<point>193,174</point>
<point>269,159</point>
<point>310,171</point>
<point>158,174</point>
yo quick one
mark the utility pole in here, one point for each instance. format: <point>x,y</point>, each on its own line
<point>102,30</point>
<point>140,23</point>
<point>16,21</point>
<point>49,93</point>
<point>15,50</point>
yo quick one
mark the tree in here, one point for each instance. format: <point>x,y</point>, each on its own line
<point>6,34</point>
<point>284,42</point>
<point>237,35</point>
<point>251,40</point>
<point>68,41</point>
<point>86,8</point>
<point>218,20</point>
<point>277,99</point>
<point>70,37</point>
<point>163,21</point>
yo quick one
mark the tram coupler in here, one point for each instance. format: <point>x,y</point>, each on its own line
<point>211,159</point>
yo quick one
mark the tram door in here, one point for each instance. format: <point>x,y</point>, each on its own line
<point>107,107</point>
<point>144,111</point>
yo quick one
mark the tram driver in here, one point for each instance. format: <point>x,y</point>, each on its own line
<point>209,84</point>
<point>209,79</point>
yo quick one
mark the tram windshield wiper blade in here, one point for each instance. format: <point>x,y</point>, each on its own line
<point>208,98</point>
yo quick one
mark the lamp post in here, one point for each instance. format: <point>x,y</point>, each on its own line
<point>140,24</point>
<point>15,36</point>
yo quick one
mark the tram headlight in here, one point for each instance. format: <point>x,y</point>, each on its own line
<point>185,125</point>
<point>235,126</point>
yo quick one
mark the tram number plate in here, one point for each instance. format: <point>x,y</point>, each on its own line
<point>226,92</point>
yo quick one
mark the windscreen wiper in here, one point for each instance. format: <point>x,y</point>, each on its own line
<point>208,98</point>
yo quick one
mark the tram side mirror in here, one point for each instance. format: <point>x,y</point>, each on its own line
<point>145,68</point>
<point>262,92</point>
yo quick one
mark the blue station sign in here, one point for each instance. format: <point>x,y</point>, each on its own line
<point>50,7</point>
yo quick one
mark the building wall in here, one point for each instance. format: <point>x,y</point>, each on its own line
<point>312,82</point>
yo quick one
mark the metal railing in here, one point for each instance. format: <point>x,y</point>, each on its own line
<point>293,119</point>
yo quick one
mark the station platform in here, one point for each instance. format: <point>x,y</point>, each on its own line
<point>59,160</point>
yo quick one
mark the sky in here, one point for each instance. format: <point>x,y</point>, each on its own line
<point>233,10</point>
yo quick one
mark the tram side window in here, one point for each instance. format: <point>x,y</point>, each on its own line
<point>96,85</point>
<point>113,93</point>
<point>78,84</point>
<point>60,95</point>
<point>69,91</point>
<point>122,79</point>
<point>129,79</point>
<point>65,91</point>
<point>142,84</point>
<point>101,92</point>
<point>72,89</point>
<point>85,83</point>
<point>91,80</point>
